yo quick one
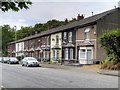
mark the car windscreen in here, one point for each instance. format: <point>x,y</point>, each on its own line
<point>13,59</point>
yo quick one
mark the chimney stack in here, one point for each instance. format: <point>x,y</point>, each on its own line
<point>66,21</point>
<point>92,13</point>
<point>80,17</point>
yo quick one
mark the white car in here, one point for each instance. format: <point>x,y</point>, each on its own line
<point>13,60</point>
<point>5,59</point>
<point>29,61</point>
<point>0,59</point>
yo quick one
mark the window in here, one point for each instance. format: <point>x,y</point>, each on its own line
<point>71,53</point>
<point>47,54</point>
<point>70,37</point>
<point>53,54</point>
<point>86,53</point>
<point>57,40</point>
<point>22,46</point>
<point>66,54</point>
<point>65,35</point>
<point>82,54</point>
<point>44,55</point>
<point>18,47</point>
<point>87,30</point>
<point>57,55</point>
<point>89,53</point>
<point>47,41</point>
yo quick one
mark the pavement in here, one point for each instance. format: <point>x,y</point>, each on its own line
<point>109,72</point>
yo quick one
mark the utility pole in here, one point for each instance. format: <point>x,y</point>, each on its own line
<point>15,39</point>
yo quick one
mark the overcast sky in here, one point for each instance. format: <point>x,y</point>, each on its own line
<point>41,11</point>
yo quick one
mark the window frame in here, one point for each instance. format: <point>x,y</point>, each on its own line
<point>87,34</point>
<point>65,35</point>
<point>70,37</point>
<point>57,39</point>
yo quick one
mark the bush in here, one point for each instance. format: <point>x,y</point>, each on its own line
<point>20,57</point>
<point>110,42</point>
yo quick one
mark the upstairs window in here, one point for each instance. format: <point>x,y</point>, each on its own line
<point>47,40</point>
<point>70,37</point>
<point>65,35</point>
<point>57,40</point>
<point>87,37</point>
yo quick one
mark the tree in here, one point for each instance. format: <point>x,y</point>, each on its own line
<point>24,32</point>
<point>110,41</point>
<point>8,35</point>
<point>15,6</point>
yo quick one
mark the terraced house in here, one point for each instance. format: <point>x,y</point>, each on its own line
<point>56,47</point>
<point>75,41</point>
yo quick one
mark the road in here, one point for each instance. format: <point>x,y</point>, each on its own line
<point>16,76</point>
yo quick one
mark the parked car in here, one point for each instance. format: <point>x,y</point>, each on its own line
<point>5,59</point>
<point>13,60</point>
<point>1,59</point>
<point>29,61</point>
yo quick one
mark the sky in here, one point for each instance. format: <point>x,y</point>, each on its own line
<point>43,10</point>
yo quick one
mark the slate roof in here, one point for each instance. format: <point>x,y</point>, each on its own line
<point>79,23</point>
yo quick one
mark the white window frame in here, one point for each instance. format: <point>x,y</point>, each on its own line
<point>57,38</point>
<point>86,34</point>
<point>44,54</point>
<point>47,54</point>
<point>53,54</point>
<point>65,35</point>
<point>71,53</point>
<point>47,40</point>
<point>57,54</point>
<point>82,52</point>
<point>86,48</point>
<point>66,54</point>
<point>70,36</point>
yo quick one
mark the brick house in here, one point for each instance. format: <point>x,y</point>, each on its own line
<point>87,45</point>
<point>11,50</point>
<point>76,40</point>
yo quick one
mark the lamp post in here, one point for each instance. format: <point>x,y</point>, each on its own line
<point>15,39</point>
<point>39,50</point>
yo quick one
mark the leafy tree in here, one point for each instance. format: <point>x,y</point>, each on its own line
<point>24,32</point>
<point>51,24</point>
<point>15,6</point>
<point>110,41</point>
<point>38,26</point>
<point>7,35</point>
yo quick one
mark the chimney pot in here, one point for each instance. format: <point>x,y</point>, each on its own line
<point>66,21</point>
<point>80,17</point>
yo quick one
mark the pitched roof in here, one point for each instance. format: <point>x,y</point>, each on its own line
<point>79,23</point>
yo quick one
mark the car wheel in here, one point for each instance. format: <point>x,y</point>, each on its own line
<point>27,65</point>
<point>22,64</point>
<point>38,65</point>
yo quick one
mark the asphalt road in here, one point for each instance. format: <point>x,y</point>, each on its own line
<point>16,76</point>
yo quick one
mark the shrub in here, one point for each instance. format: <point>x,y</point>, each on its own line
<point>110,42</point>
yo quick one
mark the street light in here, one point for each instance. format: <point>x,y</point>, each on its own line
<point>15,27</point>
